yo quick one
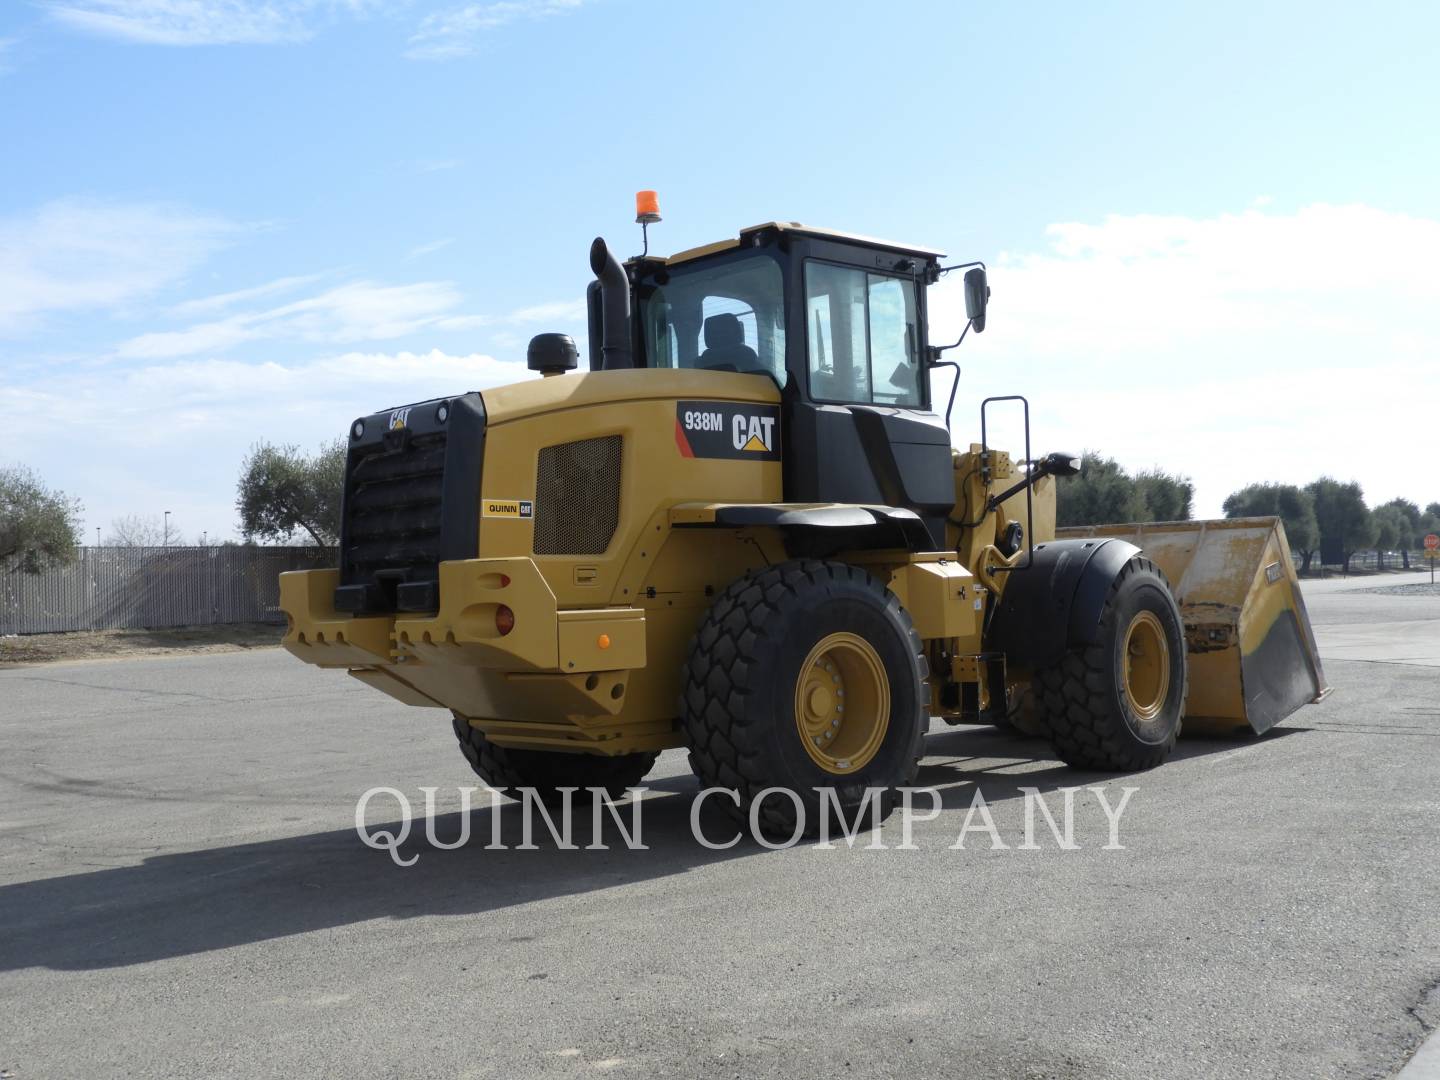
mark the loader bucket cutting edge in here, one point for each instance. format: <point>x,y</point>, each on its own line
<point>1251,651</point>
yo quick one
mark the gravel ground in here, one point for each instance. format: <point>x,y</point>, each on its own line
<point>116,644</point>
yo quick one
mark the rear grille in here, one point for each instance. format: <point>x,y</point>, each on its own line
<point>412,501</point>
<point>392,509</point>
<point>577,497</point>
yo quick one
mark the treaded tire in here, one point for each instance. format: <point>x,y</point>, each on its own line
<point>547,771</point>
<point>738,702</point>
<point>1083,704</point>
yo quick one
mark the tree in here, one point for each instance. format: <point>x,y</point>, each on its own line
<point>1166,497</point>
<point>38,527</point>
<point>1391,531</point>
<point>1346,524</point>
<point>1294,506</point>
<point>1101,493</point>
<point>142,530</point>
<point>284,491</point>
<point>1413,534</point>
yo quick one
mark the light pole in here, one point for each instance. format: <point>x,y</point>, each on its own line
<point>97,535</point>
<point>166,541</point>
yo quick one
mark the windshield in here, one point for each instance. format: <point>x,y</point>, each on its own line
<point>729,317</point>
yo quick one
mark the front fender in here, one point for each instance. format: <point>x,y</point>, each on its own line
<point>1056,602</point>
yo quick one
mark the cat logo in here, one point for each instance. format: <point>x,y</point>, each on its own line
<point>398,418</point>
<point>752,433</point>
<point>727,430</point>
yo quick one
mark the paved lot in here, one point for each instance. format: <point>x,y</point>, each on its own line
<point>182,893</point>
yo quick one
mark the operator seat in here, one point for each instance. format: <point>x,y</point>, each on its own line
<point>725,348</point>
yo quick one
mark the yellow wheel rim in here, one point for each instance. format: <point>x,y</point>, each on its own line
<point>842,703</point>
<point>1147,665</point>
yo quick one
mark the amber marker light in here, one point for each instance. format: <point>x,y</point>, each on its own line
<point>603,641</point>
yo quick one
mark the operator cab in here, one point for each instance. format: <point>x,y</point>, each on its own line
<point>839,323</point>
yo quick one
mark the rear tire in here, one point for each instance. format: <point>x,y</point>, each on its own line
<point>772,670</point>
<point>507,770</point>
<point>1117,705</point>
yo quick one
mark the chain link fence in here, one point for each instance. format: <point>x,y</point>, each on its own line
<point>123,588</point>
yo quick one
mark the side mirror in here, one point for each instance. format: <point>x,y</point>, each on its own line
<point>977,295</point>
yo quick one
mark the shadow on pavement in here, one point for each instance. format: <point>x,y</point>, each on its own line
<point>198,901</point>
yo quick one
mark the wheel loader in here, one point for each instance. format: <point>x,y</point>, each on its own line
<point>744,531</point>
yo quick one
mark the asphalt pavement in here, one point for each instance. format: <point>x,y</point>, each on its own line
<point>183,893</point>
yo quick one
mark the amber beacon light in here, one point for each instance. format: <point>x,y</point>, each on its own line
<point>647,208</point>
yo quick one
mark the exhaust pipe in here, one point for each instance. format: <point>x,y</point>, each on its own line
<point>614,305</point>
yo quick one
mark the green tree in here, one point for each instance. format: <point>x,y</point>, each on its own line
<point>1346,524</point>
<point>1293,505</point>
<point>1413,535</point>
<point>1101,493</point>
<point>1166,497</point>
<point>1391,531</point>
<point>284,492</point>
<point>38,527</point>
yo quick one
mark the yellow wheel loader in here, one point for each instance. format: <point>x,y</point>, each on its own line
<point>744,531</point>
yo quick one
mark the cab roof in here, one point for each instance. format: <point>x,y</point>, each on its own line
<point>797,229</point>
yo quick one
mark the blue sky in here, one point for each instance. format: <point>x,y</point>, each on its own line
<point>1210,226</point>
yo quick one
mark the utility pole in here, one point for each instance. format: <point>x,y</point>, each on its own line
<point>166,541</point>
<point>97,535</point>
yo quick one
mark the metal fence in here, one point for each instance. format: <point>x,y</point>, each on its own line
<point>108,588</point>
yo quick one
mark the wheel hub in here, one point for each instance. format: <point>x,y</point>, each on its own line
<point>842,703</point>
<point>1146,665</point>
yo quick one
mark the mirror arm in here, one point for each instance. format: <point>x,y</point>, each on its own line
<point>960,266</point>
<point>938,349</point>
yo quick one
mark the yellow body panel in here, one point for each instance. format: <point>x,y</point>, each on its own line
<point>550,683</point>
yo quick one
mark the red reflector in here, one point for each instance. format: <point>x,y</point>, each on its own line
<point>504,580</point>
<point>504,620</point>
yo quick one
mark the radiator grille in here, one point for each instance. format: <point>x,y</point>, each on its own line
<point>577,497</point>
<point>392,510</point>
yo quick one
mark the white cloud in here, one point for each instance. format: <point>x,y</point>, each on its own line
<point>201,22</point>
<point>77,254</point>
<point>206,305</point>
<point>426,249</point>
<point>361,311</point>
<point>1242,347</point>
<point>556,312</point>
<point>139,439</point>
<point>186,22</point>
<point>457,31</point>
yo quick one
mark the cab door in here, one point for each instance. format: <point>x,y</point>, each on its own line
<point>859,429</point>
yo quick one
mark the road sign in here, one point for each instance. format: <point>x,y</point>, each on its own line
<point>1431,541</point>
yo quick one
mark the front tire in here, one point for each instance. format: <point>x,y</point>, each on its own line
<point>1116,705</point>
<point>546,771</point>
<point>807,675</point>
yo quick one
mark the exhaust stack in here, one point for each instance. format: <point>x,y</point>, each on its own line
<point>614,306</point>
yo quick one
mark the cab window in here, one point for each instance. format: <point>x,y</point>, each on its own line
<point>728,317</point>
<point>861,330</point>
